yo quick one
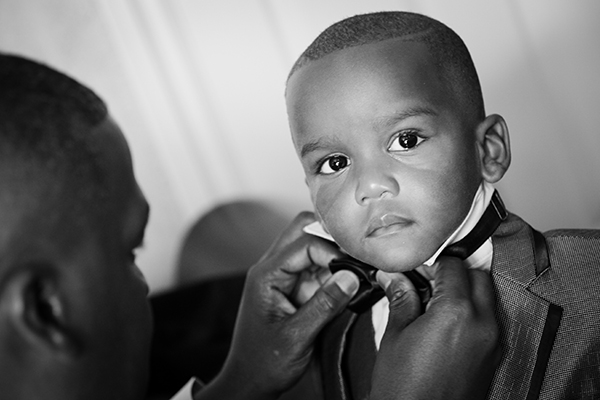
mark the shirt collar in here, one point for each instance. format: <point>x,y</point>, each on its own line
<point>482,257</point>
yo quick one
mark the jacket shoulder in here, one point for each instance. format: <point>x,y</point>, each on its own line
<point>583,234</point>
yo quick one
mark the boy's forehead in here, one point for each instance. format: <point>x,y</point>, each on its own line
<point>373,80</point>
<point>394,53</point>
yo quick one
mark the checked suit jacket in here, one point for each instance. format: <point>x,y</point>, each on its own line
<point>547,307</point>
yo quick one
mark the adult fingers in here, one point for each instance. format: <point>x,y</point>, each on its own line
<point>328,301</point>
<point>451,280</point>
<point>307,251</point>
<point>484,300</point>
<point>288,262</point>
<point>293,231</point>
<point>309,281</point>
<point>483,290</point>
<point>405,304</point>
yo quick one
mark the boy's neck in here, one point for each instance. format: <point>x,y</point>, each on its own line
<point>480,202</point>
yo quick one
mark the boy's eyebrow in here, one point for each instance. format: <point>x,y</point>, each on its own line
<point>387,121</point>
<point>382,122</point>
<point>311,146</point>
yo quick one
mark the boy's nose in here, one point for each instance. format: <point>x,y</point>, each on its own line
<point>375,183</point>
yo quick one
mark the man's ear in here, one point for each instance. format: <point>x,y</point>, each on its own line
<point>494,147</point>
<point>36,309</point>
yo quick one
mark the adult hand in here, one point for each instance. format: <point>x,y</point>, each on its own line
<point>449,352</point>
<point>281,312</point>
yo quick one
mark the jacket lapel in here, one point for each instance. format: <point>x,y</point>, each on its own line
<point>528,323</point>
<point>333,343</point>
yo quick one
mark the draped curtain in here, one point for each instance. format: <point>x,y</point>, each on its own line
<point>197,87</point>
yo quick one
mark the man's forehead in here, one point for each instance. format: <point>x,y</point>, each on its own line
<point>143,212</point>
<point>107,136</point>
<point>40,219</point>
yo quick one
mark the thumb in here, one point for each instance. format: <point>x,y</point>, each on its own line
<point>451,280</point>
<point>328,301</point>
<point>405,304</point>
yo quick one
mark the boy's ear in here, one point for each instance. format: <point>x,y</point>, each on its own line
<point>494,147</point>
<point>35,307</point>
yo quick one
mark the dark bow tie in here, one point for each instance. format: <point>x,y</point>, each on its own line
<point>370,292</point>
<point>493,215</point>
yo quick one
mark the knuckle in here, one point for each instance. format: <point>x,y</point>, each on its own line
<point>490,344</point>
<point>304,217</point>
<point>491,334</point>
<point>401,297</point>
<point>261,268</point>
<point>403,310</point>
<point>399,288</point>
<point>458,310</point>
<point>329,299</point>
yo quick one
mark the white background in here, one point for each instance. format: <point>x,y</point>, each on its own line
<point>197,87</point>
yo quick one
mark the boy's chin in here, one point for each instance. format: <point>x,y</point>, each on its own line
<point>394,263</point>
<point>396,268</point>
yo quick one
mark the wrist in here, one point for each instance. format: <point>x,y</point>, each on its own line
<point>235,385</point>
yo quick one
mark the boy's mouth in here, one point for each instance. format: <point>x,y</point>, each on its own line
<point>387,224</point>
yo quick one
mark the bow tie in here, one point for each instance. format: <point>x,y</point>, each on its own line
<point>493,215</point>
<point>369,291</point>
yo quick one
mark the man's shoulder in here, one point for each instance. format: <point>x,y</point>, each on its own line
<point>579,246</point>
<point>568,249</point>
<point>573,234</point>
<point>515,224</point>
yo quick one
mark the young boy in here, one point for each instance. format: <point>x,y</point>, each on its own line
<point>387,118</point>
<point>74,319</point>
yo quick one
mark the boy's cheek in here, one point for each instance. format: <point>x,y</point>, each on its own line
<point>340,216</point>
<point>330,206</point>
<point>341,223</point>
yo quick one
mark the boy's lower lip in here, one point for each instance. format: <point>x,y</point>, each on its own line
<point>388,229</point>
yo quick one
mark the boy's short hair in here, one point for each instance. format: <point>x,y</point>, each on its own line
<point>445,46</point>
<point>46,119</point>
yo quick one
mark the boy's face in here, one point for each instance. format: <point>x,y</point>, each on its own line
<point>391,164</point>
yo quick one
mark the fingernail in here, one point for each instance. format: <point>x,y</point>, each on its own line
<point>346,281</point>
<point>429,271</point>
<point>384,279</point>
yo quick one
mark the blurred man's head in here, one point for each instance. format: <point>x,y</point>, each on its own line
<point>74,318</point>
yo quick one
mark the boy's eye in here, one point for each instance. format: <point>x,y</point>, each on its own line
<point>333,164</point>
<point>406,141</point>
